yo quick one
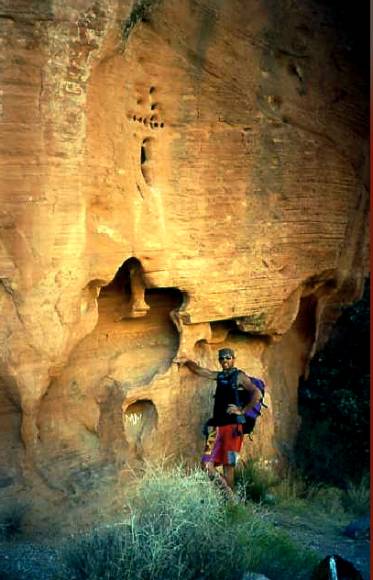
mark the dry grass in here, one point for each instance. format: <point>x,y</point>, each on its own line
<point>178,525</point>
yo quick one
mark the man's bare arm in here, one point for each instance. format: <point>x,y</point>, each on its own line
<point>249,386</point>
<point>197,369</point>
<point>245,382</point>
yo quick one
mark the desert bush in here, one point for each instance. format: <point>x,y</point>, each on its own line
<point>291,492</point>
<point>356,497</point>
<point>178,525</point>
<point>255,481</point>
<point>290,486</point>
<point>327,499</point>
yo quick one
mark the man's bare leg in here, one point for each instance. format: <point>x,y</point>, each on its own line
<point>215,475</point>
<point>229,475</point>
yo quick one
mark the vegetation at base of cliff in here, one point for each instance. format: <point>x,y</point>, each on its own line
<point>178,525</point>
<point>139,13</point>
<point>333,442</point>
<point>288,489</point>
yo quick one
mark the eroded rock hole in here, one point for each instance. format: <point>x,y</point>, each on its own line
<point>201,350</point>
<point>220,331</point>
<point>140,420</point>
<point>305,322</point>
<point>171,297</point>
<point>129,288</point>
<point>135,330</point>
<point>127,350</point>
<point>143,154</point>
<point>276,102</point>
<point>296,71</point>
<point>146,160</point>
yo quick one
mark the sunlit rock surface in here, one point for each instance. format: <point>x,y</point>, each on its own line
<point>178,176</point>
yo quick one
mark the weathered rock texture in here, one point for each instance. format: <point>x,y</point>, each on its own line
<point>178,175</point>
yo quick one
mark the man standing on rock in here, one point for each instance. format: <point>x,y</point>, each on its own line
<point>235,395</point>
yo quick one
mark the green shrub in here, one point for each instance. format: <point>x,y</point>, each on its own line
<point>255,481</point>
<point>327,500</point>
<point>281,558</point>
<point>290,486</point>
<point>178,525</point>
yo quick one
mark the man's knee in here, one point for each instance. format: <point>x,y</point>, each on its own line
<point>210,467</point>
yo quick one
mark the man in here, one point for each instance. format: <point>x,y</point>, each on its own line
<point>235,395</point>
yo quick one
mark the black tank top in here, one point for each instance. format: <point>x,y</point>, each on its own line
<point>228,393</point>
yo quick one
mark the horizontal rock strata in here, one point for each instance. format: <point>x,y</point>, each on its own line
<point>178,176</point>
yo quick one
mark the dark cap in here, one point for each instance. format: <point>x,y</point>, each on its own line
<point>226,352</point>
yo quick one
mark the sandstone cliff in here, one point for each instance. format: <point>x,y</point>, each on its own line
<point>178,176</point>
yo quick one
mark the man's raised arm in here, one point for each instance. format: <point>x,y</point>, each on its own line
<point>196,369</point>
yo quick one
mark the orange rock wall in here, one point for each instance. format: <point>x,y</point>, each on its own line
<point>179,175</point>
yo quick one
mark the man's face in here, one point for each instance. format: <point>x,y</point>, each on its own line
<point>226,361</point>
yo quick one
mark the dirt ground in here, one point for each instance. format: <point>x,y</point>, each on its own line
<point>324,534</point>
<point>26,560</point>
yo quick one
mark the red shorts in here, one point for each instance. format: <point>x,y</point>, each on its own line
<point>223,445</point>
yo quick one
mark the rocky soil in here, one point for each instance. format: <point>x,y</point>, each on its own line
<point>25,560</point>
<point>326,537</point>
